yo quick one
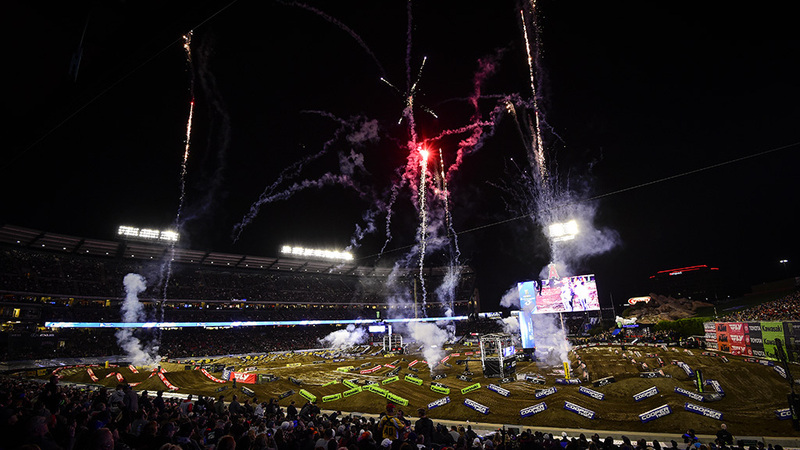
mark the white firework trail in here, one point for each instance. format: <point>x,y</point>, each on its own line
<point>538,147</point>
<point>423,224</point>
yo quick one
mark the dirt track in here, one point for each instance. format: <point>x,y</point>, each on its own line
<point>753,391</point>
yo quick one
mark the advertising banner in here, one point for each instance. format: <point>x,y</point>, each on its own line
<point>483,409</point>
<point>541,393</point>
<point>244,377</point>
<point>655,413</point>
<point>791,332</point>
<point>591,393</point>
<point>703,411</point>
<point>647,393</point>
<point>769,332</point>
<point>579,410</point>
<point>438,403</point>
<point>534,409</point>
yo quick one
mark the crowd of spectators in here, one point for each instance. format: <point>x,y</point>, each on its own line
<point>43,273</point>
<point>624,336</point>
<point>187,342</point>
<point>232,312</point>
<point>783,309</point>
<point>52,416</point>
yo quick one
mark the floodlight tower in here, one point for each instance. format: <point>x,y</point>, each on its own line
<point>563,231</point>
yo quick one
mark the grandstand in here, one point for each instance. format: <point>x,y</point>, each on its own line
<point>47,276</point>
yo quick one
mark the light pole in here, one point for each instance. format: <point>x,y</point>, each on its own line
<point>784,261</point>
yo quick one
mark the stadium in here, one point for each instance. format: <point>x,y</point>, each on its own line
<point>259,329</point>
<point>398,226</point>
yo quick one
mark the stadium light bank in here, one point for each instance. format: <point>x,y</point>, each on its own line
<point>563,231</point>
<point>147,234</point>
<point>316,253</point>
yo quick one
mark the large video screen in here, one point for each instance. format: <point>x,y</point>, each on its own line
<point>568,294</point>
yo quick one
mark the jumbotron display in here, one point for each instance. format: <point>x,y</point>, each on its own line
<point>560,295</point>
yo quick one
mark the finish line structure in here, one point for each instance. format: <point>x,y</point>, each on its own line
<point>258,323</point>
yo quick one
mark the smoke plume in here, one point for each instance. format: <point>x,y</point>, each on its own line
<point>431,337</point>
<point>133,311</point>
<point>552,346</point>
<point>348,337</point>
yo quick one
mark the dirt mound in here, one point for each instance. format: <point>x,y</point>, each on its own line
<point>752,391</point>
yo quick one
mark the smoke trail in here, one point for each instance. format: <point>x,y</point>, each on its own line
<point>348,337</point>
<point>357,130</point>
<point>510,298</point>
<point>552,345</point>
<point>486,68</point>
<point>510,325</point>
<point>431,337</point>
<point>344,27</point>
<point>133,311</point>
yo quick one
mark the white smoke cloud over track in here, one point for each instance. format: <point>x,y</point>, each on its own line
<point>139,353</point>
<point>348,337</point>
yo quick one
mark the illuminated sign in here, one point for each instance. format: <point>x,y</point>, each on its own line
<point>634,300</point>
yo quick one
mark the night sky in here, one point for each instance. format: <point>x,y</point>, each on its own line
<point>682,133</point>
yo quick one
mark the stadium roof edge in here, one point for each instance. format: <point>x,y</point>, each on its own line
<point>32,239</point>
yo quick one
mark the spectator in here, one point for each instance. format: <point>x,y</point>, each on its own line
<point>724,437</point>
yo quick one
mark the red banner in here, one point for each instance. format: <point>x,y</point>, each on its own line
<point>166,382</point>
<point>244,377</point>
<point>211,377</point>
<point>374,369</point>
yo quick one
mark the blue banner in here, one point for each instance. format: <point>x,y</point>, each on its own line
<point>499,390</point>
<point>541,393</point>
<point>531,410</point>
<point>703,411</point>
<point>716,386</point>
<point>579,410</point>
<point>690,394</point>
<point>441,402</point>
<point>483,409</point>
<point>591,393</point>
<point>647,393</point>
<point>527,306</point>
<point>655,413</point>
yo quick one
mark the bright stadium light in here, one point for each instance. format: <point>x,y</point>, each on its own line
<point>563,231</point>
<point>169,236</point>
<point>302,252</point>
<point>147,234</point>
